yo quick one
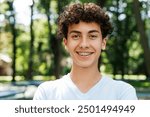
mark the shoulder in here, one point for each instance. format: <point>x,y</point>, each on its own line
<point>123,89</point>
<point>117,83</point>
<point>47,89</point>
<point>54,83</point>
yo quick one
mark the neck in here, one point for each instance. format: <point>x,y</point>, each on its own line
<point>85,78</point>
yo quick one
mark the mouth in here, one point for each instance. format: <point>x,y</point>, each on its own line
<point>84,53</point>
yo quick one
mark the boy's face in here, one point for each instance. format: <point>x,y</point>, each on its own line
<point>84,43</point>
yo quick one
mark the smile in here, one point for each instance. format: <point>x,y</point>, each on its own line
<point>84,53</point>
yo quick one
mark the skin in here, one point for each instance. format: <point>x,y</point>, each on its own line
<point>84,43</point>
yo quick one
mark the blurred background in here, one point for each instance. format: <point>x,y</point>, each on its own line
<point>30,52</point>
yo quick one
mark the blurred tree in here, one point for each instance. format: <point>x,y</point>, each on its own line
<point>120,44</point>
<point>143,36</point>
<point>124,52</point>
<point>101,3</point>
<point>117,50</point>
<point>12,21</point>
<point>53,43</point>
<point>32,37</point>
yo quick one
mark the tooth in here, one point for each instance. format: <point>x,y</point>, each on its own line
<point>84,53</point>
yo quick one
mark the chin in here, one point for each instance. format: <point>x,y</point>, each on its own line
<point>85,65</point>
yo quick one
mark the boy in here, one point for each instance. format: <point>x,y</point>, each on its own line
<point>84,28</point>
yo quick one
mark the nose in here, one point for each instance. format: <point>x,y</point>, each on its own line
<point>84,42</point>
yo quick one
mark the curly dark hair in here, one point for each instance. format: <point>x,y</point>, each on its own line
<point>86,12</point>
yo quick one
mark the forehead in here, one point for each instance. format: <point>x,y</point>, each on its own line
<point>84,27</point>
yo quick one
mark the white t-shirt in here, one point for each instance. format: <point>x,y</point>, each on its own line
<point>65,89</point>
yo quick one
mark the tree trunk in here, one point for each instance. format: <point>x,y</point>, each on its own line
<point>14,50</point>
<point>143,36</point>
<point>54,45</point>
<point>30,64</point>
<point>14,34</point>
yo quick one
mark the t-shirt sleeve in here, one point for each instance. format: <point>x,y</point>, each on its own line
<point>128,92</point>
<point>40,93</point>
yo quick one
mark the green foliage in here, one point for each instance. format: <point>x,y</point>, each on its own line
<point>124,50</point>
<point>87,1</point>
<point>22,53</point>
<point>124,54</point>
<point>143,84</point>
<point>3,8</point>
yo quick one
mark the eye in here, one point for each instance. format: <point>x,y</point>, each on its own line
<point>75,36</point>
<point>93,36</point>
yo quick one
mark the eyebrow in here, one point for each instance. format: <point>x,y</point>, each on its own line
<point>74,31</point>
<point>91,31</point>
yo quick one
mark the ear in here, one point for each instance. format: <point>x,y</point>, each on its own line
<point>104,43</point>
<point>65,43</point>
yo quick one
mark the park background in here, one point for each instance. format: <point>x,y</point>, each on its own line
<point>31,53</point>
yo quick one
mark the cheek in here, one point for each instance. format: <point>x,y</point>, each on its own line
<point>97,45</point>
<point>72,44</point>
<point>71,47</point>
